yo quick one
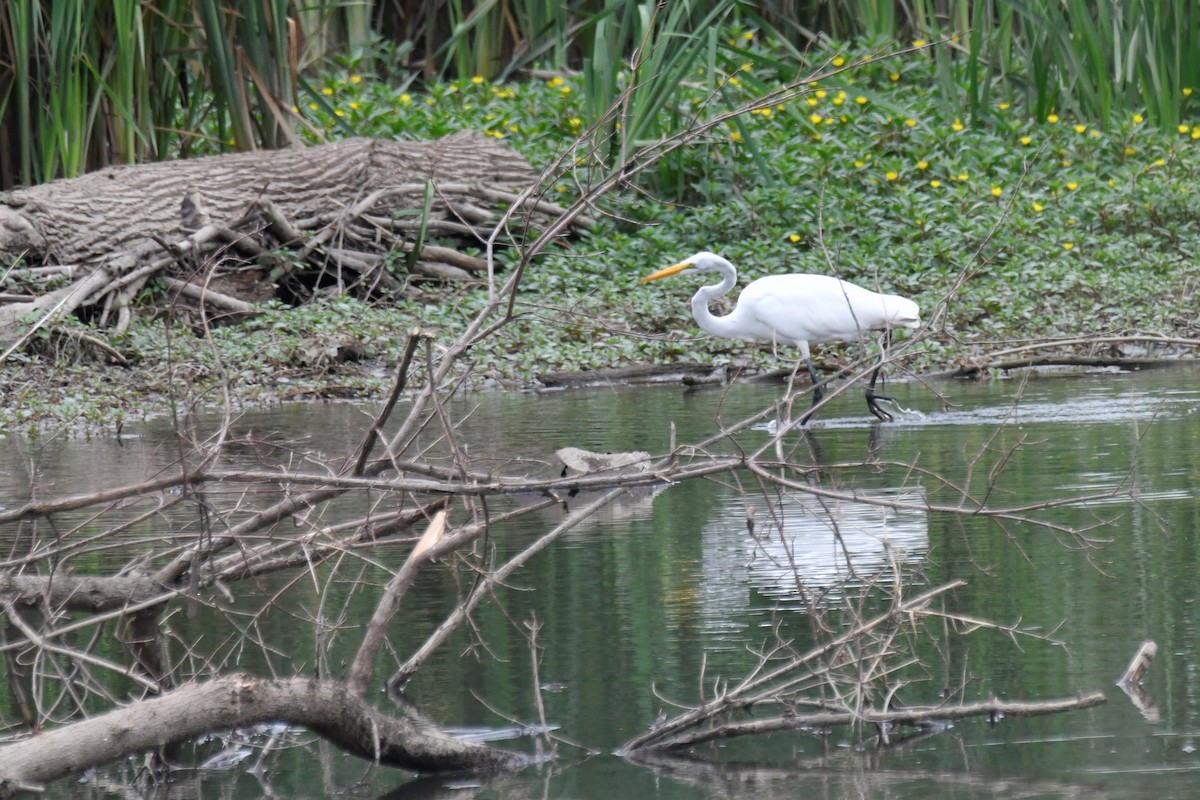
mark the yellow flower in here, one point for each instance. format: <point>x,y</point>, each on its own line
<point>296,110</point>
<point>1160,162</point>
<point>748,35</point>
<point>1196,132</point>
<point>1026,140</point>
<point>575,122</point>
<point>1052,119</point>
<point>735,136</point>
<point>1138,119</point>
<point>1038,207</point>
<point>793,237</point>
<point>935,183</point>
<point>918,42</point>
<point>912,123</point>
<point>735,81</point>
<point>815,119</point>
<point>838,61</point>
<point>1182,128</point>
<point>1072,186</point>
<point>429,101</point>
<point>327,91</point>
<point>1080,128</point>
<point>891,175</point>
<point>1129,151</point>
<point>859,163</point>
<point>745,67</point>
<point>356,79</point>
<point>1066,162</point>
<point>922,165</point>
<point>313,106</point>
<point>1187,91</point>
<point>821,94</point>
<point>812,101</point>
<point>996,191</point>
<point>476,79</point>
<point>1068,245</point>
<point>339,113</point>
<point>554,82</point>
<point>1004,106</point>
<point>894,76</point>
<point>353,106</point>
<point>957,125</point>
<point>565,90</point>
<point>841,98</point>
<point>862,101</point>
<point>406,98</point>
<point>1095,134</point>
<point>962,176</point>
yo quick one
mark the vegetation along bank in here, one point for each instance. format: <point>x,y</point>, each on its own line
<point>1011,224</point>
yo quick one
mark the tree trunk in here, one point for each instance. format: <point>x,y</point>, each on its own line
<point>83,219</point>
<point>234,701</point>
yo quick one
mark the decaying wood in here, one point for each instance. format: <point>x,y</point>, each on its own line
<point>1139,664</point>
<point>208,228</point>
<point>1095,352</point>
<point>642,373</point>
<point>916,716</point>
<point>87,218</point>
<point>238,700</point>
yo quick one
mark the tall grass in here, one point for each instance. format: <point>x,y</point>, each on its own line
<point>86,84</point>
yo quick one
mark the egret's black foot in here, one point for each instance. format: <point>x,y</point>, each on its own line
<point>873,406</point>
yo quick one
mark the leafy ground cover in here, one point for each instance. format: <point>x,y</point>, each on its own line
<point>1004,226</point>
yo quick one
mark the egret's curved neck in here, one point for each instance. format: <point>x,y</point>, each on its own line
<point>717,326</point>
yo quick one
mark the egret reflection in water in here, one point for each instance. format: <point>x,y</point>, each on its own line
<point>821,545</point>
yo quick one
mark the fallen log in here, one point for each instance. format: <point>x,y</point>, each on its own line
<point>87,218</point>
<point>208,229</point>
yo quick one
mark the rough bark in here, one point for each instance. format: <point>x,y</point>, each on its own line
<point>352,216</point>
<point>325,707</point>
<point>85,218</point>
<point>86,593</point>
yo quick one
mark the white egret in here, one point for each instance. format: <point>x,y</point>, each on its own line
<point>797,310</point>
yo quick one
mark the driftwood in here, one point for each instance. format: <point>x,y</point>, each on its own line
<point>357,215</point>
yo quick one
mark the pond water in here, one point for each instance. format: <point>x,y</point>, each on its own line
<point>665,587</point>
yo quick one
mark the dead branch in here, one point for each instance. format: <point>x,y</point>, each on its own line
<point>914,715</point>
<point>238,700</point>
<point>763,683</point>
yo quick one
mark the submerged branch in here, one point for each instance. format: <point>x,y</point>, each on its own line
<point>916,715</point>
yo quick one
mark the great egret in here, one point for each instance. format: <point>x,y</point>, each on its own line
<point>797,310</point>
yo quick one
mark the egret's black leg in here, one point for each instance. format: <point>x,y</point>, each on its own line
<point>872,398</point>
<point>817,392</point>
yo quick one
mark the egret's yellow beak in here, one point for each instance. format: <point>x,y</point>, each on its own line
<point>666,273</point>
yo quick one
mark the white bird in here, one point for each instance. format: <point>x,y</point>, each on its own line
<point>797,310</point>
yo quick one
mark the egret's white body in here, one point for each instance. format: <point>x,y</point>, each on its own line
<point>795,310</point>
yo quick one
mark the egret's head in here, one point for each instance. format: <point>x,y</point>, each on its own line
<point>703,261</point>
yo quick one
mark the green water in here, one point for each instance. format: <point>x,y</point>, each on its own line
<point>635,603</point>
